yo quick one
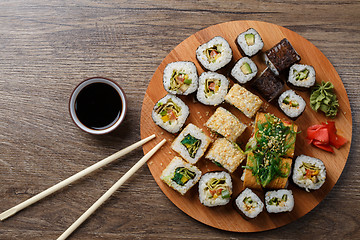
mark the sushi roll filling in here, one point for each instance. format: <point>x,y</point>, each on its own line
<point>179,81</point>
<point>246,69</point>
<point>217,188</point>
<point>272,141</point>
<point>310,171</point>
<point>192,144</point>
<point>212,86</point>
<point>249,204</point>
<point>168,111</point>
<point>278,201</point>
<point>292,103</point>
<point>250,39</point>
<point>301,75</point>
<point>213,53</point>
<point>183,175</point>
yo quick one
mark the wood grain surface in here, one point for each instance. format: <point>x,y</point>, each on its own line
<point>48,47</point>
<point>226,217</point>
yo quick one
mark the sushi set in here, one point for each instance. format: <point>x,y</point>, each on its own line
<point>250,110</point>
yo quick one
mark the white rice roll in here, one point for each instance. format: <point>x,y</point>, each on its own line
<point>212,88</point>
<point>291,104</point>
<point>309,172</point>
<point>215,189</point>
<point>180,175</point>
<point>170,113</point>
<point>279,201</point>
<point>250,42</point>
<point>249,203</point>
<point>180,78</point>
<point>214,54</point>
<point>191,143</point>
<point>302,76</point>
<point>244,70</point>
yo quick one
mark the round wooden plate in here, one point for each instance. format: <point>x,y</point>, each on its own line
<point>226,217</point>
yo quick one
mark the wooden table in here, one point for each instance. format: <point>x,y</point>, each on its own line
<point>48,47</point>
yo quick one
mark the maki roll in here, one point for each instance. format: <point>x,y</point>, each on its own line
<point>191,143</point>
<point>180,78</point>
<point>214,54</point>
<point>309,173</point>
<point>281,56</point>
<point>226,154</point>
<point>301,76</point>
<point>180,175</point>
<point>291,104</point>
<point>247,102</point>
<point>250,42</point>
<point>249,204</point>
<point>215,189</point>
<point>212,88</point>
<point>244,70</point>
<point>268,85</point>
<point>226,124</point>
<point>279,201</point>
<point>170,113</point>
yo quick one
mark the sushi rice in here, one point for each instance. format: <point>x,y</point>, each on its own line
<point>244,70</point>
<point>214,54</point>
<point>212,88</point>
<point>249,203</point>
<point>250,42</point>
<point>302,76</point>
<point>291,104</point>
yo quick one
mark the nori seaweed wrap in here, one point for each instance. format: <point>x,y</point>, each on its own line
<point>268,85</point>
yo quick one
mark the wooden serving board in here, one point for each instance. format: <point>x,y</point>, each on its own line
<point>226,217</point>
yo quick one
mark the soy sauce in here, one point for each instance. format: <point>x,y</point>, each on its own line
<point>98,106</point>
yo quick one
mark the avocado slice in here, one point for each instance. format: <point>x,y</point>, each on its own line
<point>246,69</point>
<point>250,39</point>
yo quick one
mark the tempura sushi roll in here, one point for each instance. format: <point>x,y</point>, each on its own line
<point>191,143</point>
<point>279,201</point>
<point>226,154</point>
<point>249,204</point>
<point>180,175</point>
<point>214,54</point>
<point>226,124</point>
<point>291,104</point>
<point>281,56</point>
<point>301,76</point>
<point>180,78</point>
<point>247,102</point>
<point>170,113</point>
<point>215,189</point>
<point>212,88</point>
<point>250,42</point>
<point>244,70</point>
<point>309,172</point>
<point>268,85</point>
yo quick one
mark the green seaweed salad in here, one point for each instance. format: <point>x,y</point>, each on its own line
<point>273,140</point>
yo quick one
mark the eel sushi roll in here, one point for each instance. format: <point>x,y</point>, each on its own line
<point>309,172</point>
<point>301,76</point>
<point>180,175</point>
<point>180,78</point>
<point>244,70</point>
<point>247,102</point>
<point>279,201</point>
<point>268,85</point>
<point>212,88</point>
<point>249,204</point>
<point>191,143</point>
<point>250,42</point>
<point>291,104</point>
<point>215,189</point>
<point>226,154</point>
<point>214,54</point>
<point>170,113</point>
<point>226,124</point>
<point>281,56</point>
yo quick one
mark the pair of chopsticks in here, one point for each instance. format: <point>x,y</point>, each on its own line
<point>83,173</point>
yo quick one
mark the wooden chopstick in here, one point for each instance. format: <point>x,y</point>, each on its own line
<point>106,195</point>
<point>73,178</point>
